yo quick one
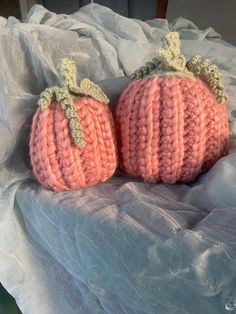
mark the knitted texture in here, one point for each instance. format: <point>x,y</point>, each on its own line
<point>170,129</point>
<point>172,123</point>
<point>170,61</point>
<point>61,165</point>
<point>72,141</point>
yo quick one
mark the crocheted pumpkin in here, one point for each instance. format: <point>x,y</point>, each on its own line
<point>171,120</point>
<point>72,141</point>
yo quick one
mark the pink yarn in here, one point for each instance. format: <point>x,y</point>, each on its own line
<point>61,165</point>
<point>170,129</point>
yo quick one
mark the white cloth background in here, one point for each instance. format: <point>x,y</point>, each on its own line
<point>122,246</point>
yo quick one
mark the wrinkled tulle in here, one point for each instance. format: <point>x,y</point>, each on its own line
<point>123,246</point>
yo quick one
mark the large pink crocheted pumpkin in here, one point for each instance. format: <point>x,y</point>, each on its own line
<point>170,124</point>
<point>72,142</point>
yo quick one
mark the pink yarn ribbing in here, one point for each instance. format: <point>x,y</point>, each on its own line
<point>61,165</point>
<point>170,129</point>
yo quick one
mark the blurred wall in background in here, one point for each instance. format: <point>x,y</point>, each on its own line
<point>10,7</point>
<point>220,14</point>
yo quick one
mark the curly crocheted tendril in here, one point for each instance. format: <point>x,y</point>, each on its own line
<point>210,74</point>
<point>68,76</point>
<point>146,69</point>
<point>46,97</point>
<point>170,60</point>
<point>63,97</point>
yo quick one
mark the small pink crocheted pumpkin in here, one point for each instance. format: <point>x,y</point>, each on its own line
<point>172,125</point>
<point>72,142</point>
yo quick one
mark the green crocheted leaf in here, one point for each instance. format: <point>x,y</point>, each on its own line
<point>170,61</point>
<point>68,75</point>
<point>168,58</point>
<point>88,88</point>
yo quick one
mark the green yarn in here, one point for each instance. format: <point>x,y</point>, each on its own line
<point>210,74</point>
<point>68,76</point>
<point>67,73</point>
<point>170,54</point>
<point>146,69</point>
<point>63,97</point>
<point>169,59</point>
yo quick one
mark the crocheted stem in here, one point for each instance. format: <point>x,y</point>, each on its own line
<point>169,58</point>
<point>68,76</point>
<point>170,54</point>
<point>63,97</point>
<point>67,73</point>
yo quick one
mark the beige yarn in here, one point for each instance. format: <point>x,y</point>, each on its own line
<point>169,59</point>
<point>68,75</point>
